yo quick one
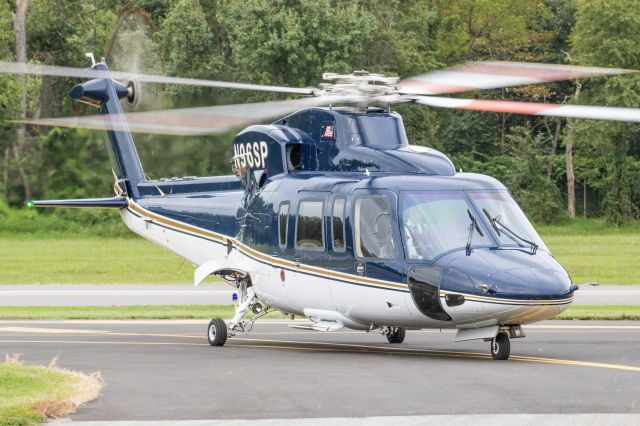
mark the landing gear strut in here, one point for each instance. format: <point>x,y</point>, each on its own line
<point>218,331</point>
<point>500,346</point>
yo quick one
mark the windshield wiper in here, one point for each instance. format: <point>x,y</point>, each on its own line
<point>496,224</point>
<point>473,225</point>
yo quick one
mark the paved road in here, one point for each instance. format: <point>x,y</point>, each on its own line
<point>118,294</point>
<point>185,294</point>
<point>165,370</point>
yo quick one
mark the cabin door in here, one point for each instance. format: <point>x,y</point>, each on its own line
<point>310,287</point>
<point>378,260</point>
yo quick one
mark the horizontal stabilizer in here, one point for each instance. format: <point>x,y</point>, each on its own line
<point>90,203</point>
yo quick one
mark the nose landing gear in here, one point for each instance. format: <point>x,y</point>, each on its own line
<point>394,334</point>
<point>500,346</point>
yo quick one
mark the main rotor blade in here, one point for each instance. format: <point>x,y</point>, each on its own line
<point>534,108</point>
<point>493,75</point>
<point>189,121</point>
<point>58,71</point>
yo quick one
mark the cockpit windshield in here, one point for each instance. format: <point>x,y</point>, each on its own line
<point>435,222</point>
<point>501,208</point>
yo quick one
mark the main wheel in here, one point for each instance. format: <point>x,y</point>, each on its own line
<point>217,332</point>
<point>500,346</point>
<point>396,335</point>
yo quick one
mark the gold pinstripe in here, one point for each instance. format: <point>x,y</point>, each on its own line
<point>477,298</point>
<point>321,271</point>
<point>256,254</point>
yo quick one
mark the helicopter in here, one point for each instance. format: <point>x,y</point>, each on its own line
<point>330,212</point>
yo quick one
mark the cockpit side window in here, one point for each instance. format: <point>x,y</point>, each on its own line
<point>283,219</point>
<point>337,225</point>
<point>374,236</point>
<point>435,222</point>
<point>309,229</point>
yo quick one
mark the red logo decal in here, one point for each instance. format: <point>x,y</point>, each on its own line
<point>328,132</point>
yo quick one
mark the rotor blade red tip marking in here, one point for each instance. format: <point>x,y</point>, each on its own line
<point>435,88</point>
<point>531,108</point>
<point>548,74</point>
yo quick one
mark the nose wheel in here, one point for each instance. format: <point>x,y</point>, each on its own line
<point>500,346</point>
<point>396,334</point>
<point>217,332</point>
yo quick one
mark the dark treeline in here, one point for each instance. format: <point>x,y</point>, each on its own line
<point>556,168</point>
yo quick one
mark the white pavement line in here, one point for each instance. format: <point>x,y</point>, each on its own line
<point>599,419</point>
<point>586,326</point>
<point>143,322</point>
<point>295,322</point>
<point>114,292</point>
<point>50,330</point>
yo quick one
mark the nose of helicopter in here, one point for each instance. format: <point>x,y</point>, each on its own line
<point>528,283</point>
<point>507,274</point>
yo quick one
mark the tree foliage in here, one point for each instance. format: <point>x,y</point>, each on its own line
<point>608,153</point>
<point>292,43</point>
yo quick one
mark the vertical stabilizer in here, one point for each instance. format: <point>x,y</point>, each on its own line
<point>105,93</point>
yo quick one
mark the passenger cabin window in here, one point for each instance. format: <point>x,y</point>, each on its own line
<point>337,226</point>
<point>374,229</point>
<point>309,229</point>
<point>283,218</point>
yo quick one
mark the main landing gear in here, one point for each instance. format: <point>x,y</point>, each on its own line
<point>218,331</point>
<point>394,334</point>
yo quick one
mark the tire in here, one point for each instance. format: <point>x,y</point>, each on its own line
<point>397,335</point>
<point>500,347</point>
<point>217,332</point>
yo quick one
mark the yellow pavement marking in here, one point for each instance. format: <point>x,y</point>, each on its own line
<point>111,342</point>
<point>346,347</point>
<point>573,327</point>
<point>44,330</point>
<point>409,351</point>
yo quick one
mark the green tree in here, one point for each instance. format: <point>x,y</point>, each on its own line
<point>292,43</point>
<point>607,153</point>
<point>187,44</point>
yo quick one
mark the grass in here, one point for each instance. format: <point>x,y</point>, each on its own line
<point>120,312</point>
<point>591,252</point>
<point>89,260</point>
<point>588,249</point>
<point>29,394</point>
<point>613,312</point>
<point>600,312</point>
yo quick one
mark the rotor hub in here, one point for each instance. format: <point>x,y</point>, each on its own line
<point>360,85</point>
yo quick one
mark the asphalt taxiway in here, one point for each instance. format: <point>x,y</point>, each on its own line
<point>165,370</point>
